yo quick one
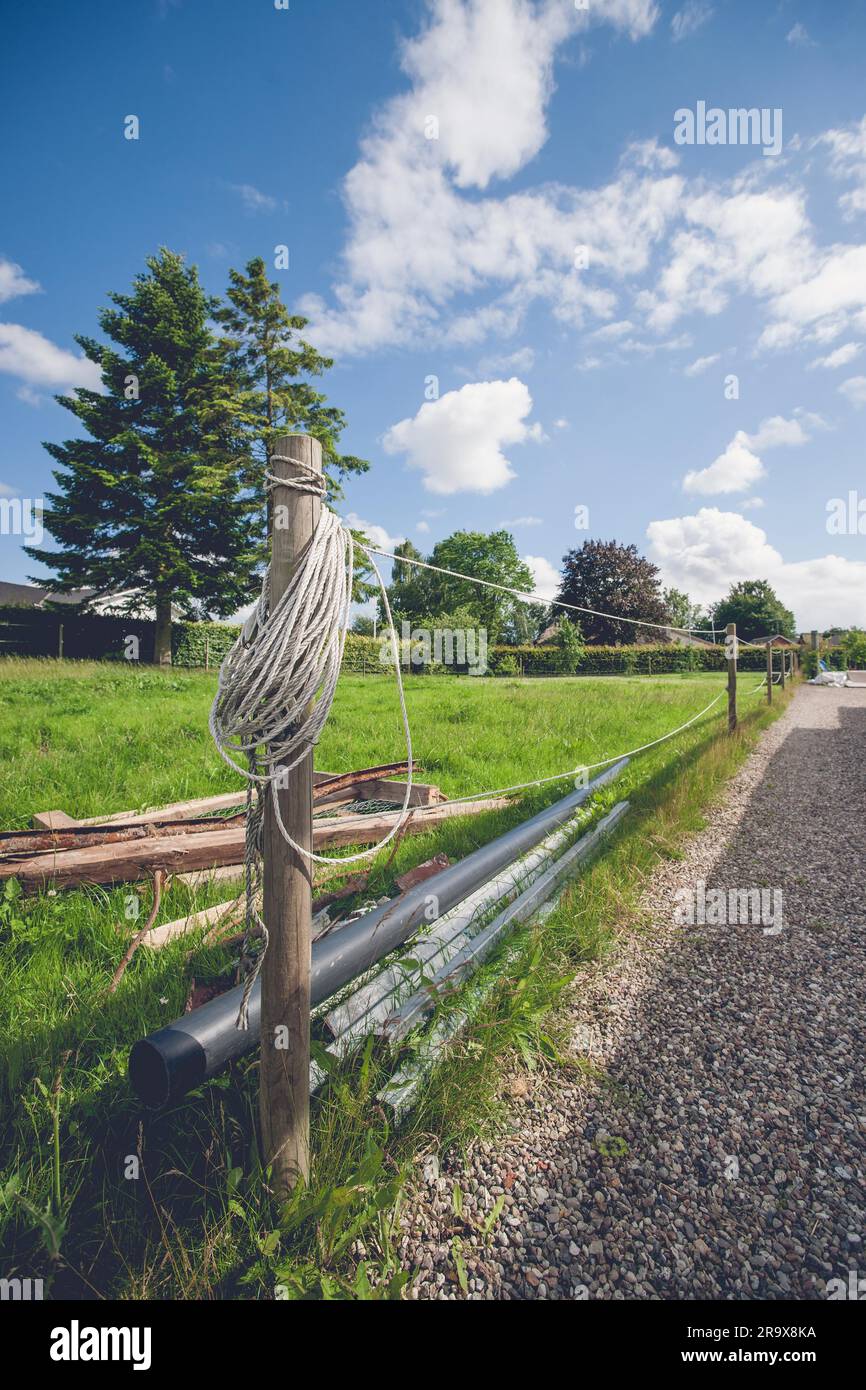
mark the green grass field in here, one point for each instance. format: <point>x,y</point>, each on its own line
<point>101,1199</point>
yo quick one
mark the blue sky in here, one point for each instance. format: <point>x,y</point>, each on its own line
<point>488,193</point>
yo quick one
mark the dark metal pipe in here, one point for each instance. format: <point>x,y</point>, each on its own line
<point>179,1057</point>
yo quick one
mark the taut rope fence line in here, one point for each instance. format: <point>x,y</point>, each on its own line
<point>274,693</point>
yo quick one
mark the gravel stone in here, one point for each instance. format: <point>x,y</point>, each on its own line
<point>714,1149</point>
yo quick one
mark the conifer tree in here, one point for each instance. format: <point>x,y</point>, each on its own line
<point>151,505</point>
<point>263,346</point>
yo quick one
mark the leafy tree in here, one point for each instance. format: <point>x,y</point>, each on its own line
<point>569,640</point>
<point>854,647</point>
<point>408,591</point>
<point>683,613</point>
<point>616,579</point>
<point>756,609</point>
<point>152,505</point>
<point>364,626</point>
<point>529,619</point>
<point>493,557</point>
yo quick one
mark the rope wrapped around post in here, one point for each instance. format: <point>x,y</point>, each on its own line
<point>275,690</point>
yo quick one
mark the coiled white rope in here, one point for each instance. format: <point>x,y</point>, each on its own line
<point>276,686</point>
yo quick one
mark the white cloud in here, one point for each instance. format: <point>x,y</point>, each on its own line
<point>611,332</point>
<point>840,357</point>
<point>704,554</point>
<point>423,527</point>
<point>253,199</point>
<point>377,535</point>
<point>753,504</point>
<point>689,19</point>
<point>739,466</point>
<point>847,146</point>
<point>733,471</point>
<point>545,579</point>
<point>649,154</point>
<point>522,360</point>
<point>522,521</point>
<point>13,281</point>
<point>26,394</point>
<point>561,424</point>
<point>457,441</point>
<point>736,240</point>
<point>37,361</point>
<point>799,36</point>
<point>776,431</point>
<point>854,390</point>
<point>482,70</point>
<point>701,364</point>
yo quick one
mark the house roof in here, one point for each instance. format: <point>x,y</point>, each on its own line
<point>35,595</point>
<point>776,641</point>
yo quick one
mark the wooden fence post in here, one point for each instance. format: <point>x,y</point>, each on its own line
<point>769,673</point>
<point>60,640</point>
<point>782,676</point>
<point>287,889</point>
<point>731,653</point>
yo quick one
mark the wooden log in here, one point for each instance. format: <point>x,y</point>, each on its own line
<point>129,861</point>
<point>423,794</point>
<point>203,878</point>
<point>84,836</point>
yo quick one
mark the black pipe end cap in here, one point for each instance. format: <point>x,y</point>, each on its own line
<point>165,1066</point>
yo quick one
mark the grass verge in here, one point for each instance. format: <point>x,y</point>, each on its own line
<point>102,1200</point>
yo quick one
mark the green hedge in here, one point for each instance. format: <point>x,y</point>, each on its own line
<point>201,644</point>
<point>363,655</point>
<point>36,632</point>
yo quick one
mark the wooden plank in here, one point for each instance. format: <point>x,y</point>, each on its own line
<point>427,795</point>
<point>176,810</point>
<point>422,794</point>
<point>228,912</point>
<point>186,854</point>
<point>51,820</point>
<point>342,781</point>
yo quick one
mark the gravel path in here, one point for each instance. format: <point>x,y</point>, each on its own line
<point>718,1150</point>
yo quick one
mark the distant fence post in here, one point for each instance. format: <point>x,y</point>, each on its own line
<point>782,676</point>
<point>207,651</point>
<point>769,673</point>
<point>60,641</point>
<point>731,654</point>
